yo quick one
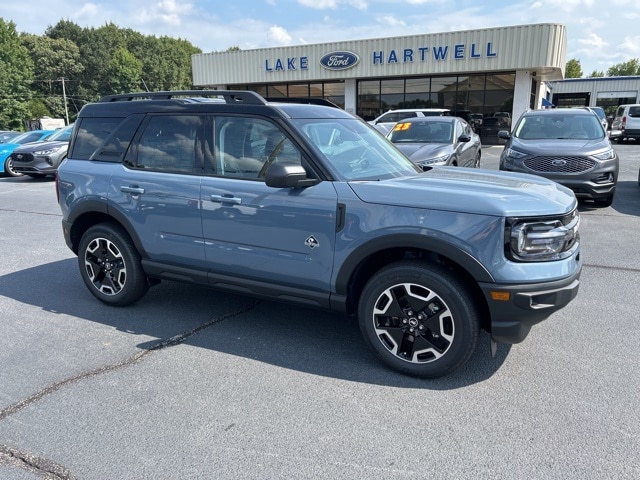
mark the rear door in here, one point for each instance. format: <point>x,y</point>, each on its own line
<point>157,189</point>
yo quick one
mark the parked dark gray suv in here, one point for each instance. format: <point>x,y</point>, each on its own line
<point>310,205</point>
<point>42,159</point>
<point>567,145</point>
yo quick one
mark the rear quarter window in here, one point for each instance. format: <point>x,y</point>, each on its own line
<point>105,139</point>
<point>634,111</point>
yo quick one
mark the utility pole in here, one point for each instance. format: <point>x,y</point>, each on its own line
<point>64,97</point>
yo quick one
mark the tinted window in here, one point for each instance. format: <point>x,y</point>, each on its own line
<point>91,134</point>
<point>168,143</point>
<point>634,111</point>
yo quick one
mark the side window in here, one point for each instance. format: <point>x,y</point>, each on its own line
<point>168,144</point>
<point>90,135</point>
<point>245,147</point>
<point>634,112</point>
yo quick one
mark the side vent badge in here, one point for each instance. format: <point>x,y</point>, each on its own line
<point>311,242</point>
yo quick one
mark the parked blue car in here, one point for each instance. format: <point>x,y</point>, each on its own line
<point>6,167</point>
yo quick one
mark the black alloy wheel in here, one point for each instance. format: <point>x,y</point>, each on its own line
<point>419,318</point>
<point>110,265</point>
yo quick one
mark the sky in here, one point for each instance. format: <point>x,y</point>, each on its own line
<point>600,33</point>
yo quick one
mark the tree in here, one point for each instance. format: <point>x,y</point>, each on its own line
<point>630,67</point>
<point>17,74</point>
<point>124,71</point>
<point>573,69</point>
<point>53,59</point>
<point>596,74</point>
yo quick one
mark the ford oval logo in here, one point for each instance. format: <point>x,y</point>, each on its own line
<point>339,60</point>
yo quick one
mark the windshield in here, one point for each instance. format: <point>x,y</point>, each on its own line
<point>422,132</point>
<point>559,126</point>
<point>62,135</point>
<point>27,137</point>
<point>354,150</point>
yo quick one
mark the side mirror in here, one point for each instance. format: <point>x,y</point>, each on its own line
<point>504,134</point>
<point>464,138</point>
<point>287,175</point>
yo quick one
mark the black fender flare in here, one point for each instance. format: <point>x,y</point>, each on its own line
<point>412,241</point>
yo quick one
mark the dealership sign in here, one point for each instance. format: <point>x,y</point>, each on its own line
<point>339,60</point>
<point>344,60</point>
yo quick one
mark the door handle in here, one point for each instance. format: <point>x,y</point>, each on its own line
<point>133,190</point>
<point>226,199</point>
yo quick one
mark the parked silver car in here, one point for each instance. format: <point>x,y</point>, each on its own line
<point>429,141</point>
<point>566,145</point>
<point>42,159</point>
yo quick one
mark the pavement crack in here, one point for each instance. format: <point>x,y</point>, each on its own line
<point>53,471</point>
<point>43,467</point>
<point>610,267</point>
<point>169,342</point>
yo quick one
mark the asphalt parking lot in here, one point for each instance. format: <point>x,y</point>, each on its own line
<point>192,383</point>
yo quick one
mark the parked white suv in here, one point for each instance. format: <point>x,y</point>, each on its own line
<point>385,122</point>
<point>626,123</point>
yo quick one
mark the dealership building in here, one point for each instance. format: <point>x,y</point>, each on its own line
<point>605,92</point>
<point>478,71</point>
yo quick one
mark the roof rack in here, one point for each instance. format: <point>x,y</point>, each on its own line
<point>229,96</point>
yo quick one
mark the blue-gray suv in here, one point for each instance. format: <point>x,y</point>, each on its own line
<point>308,204</point>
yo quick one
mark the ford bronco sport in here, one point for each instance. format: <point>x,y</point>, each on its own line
<point>308,204</point>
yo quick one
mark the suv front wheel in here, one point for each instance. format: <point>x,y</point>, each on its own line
<point>110,265</point>
<point>419,318</point>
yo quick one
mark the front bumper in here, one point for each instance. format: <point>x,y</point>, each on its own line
<point>38,165</point>
<point>528,304</point>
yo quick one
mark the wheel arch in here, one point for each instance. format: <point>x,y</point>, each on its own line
<point>377,253</point>
<point>91,213</point>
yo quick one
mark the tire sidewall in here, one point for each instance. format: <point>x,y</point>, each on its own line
<point>8,168</point>
<point>135,285</point>
<point>449,289</point>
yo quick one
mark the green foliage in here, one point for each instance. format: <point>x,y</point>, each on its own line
<point>17,73</point>
<point>92,61</point>
<point>124,72</point>
<point>596,74</point>
<point>37,109</point>
<point>630,67</point>
<point>54,59</point>
<point>573,69</point>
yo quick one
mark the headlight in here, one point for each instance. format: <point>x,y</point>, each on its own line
<point>514,154</point>
<point>606,155</point>
<point>48,151</point>
<point>432,161</point>
<point>536,240</point>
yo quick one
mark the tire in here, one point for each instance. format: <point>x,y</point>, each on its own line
<point>110,265</point>
<point>9,171</point>
<point>419,318</point>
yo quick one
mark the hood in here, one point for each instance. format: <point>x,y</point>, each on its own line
<point>36,146</point>
<point>421,151</point>
<point>484,192</point>
<point>555,147</point>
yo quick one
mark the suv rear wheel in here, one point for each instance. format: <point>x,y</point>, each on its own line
<point>419,318</point>
<point>110,265</point>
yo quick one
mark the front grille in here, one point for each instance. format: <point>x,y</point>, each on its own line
<point>21,157</point>
<point>564,164</point>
